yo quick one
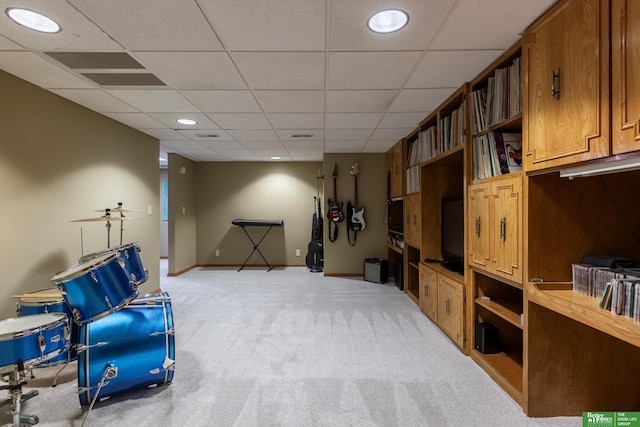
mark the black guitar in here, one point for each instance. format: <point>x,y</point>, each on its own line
<point>335,209</point>
<point>315,253</point>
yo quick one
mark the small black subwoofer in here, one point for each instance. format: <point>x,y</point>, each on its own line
<point>487,338</point>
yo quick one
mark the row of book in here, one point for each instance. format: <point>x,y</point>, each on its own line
<point>413,179</point>
<point>424,148</point>
<point>452,129</point>
<point>496,153</point>
<point>500,100</point>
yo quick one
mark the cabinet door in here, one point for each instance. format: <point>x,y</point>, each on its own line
<point>412,220</point>
<point>573,125</point>
<point>479,197</point>
<point>397,172</point>
<point>625,56</point>
<point>451,308</point>
<point>506,218</point>
<point>429,292</point>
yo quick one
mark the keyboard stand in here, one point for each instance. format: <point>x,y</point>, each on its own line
<point>243,223</point>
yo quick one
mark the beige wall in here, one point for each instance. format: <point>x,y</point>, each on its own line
<point>340,257</point>
<point>182,213</point>
<point>60,162</point>
<point>255,190</point>
<point>225,191</point>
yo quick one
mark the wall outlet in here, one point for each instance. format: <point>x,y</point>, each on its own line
<point>217,252</point>
<point>149,210</point>
<point>297,252</point>
<point>184,210</point>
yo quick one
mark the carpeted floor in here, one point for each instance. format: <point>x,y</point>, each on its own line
<point>294,348</point>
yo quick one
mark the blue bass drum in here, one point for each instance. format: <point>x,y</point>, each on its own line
<point>33,339</point>
<point>50,301</point>
<point>131,349</point>
<point>96,288</point>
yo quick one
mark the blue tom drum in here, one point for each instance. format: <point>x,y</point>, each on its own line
<point>131,349</point>
<point>130,255</point>
<point>96,288</point>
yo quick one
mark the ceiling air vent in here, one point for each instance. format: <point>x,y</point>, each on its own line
<point>121,79</point>
<point>301,135</point>
<point>207,135</point>
<point>97,60</point>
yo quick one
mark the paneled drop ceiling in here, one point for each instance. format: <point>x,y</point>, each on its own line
<point>262,78</point>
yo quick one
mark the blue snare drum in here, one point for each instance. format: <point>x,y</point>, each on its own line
<point>133,348</point>
<point>96,288</point>
<point>33,339</point>
<point>130,255</point>
<point>50,301</point>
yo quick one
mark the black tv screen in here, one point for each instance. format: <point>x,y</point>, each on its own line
<point>452,230</point>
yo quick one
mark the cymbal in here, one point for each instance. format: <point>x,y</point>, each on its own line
<point>118,209</point>
<point>104,218</point>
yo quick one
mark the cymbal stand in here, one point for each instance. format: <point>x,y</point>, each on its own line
<point>16,381</point>
<point>107,212</point>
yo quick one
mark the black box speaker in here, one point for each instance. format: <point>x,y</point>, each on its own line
<point>398,274</point>
<point>487,338</point>
<point>376,270</point>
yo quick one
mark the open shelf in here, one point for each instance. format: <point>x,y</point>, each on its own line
<point>506,310</point>
<point>504,370</point>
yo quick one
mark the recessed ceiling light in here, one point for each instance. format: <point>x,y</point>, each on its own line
<point>32,20</point>
<point>276,158</point>
<point>388,21</point>
<point>186,122</point>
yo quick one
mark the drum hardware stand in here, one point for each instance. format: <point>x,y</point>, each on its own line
<point>16,381</point>
<point>111,371</point>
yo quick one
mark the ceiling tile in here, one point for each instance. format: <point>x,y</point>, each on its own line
<point>307,157</point>
<point>352,120</point>
<point>291,101</point>
<point>168,134</point>
<point>238,155</point>
<point>344,146</point>
<point>365,101</point>
<point>39,71</point>
<point>243,135</point>
<point>262,145</point>
<point>297,121</point>
<point>414,100</point>
<point>241,121</point>
<point>95,99</point>
<point>256,25</point>
<point>466,29</point>
<point>169,120</point>
<point>165,27</point>
<point>6,44</point>
<point>347,134</point>
<point>136,120</point>
<point>382,143</point>
<point>78,33</point>
<point>193,70</point>
<point>281,70</point>
<point>155,101</point>
<point>349,24</point>
<point>222,145</point>
<point>391,134</point>
<point>180,144</point>
<point>450,68</point>
<point>384,70</point>
<point>223,101</point>
<point>402,120</point>
<point>304,145</point>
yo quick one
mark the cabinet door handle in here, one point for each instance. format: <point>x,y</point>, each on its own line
<point>426,291</point>
<point>478,227</point>
<point>555,84</point>
<point>447,306</point>
<point>503,229</point>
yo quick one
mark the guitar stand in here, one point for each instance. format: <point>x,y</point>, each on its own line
<point>16,381</point>
<point>257,223</point>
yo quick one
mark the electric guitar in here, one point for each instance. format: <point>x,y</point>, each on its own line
<point>335,209</point>
<point>357,222</point>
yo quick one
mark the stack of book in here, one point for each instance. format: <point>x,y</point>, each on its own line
<point>452,130</point>
<point>424,148</point>
<point>496,153</point>
<point>413,179</point>
<point>500,100</point>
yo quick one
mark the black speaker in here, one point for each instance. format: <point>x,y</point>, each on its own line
<point>398,275</point>
<point>487,338</point>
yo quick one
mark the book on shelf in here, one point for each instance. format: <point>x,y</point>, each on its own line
<point>513,147</point>
<point>605,301</point>
<point>496,153</point>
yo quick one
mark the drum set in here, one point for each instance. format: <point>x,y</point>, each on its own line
<point>94,314</point>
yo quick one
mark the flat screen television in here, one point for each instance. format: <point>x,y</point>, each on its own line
<point>452,226</point>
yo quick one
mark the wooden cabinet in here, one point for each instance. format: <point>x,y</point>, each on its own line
<point>625,80</point>
<point>412,224</point>
<point>451,307</point>
<point>442,300</point>
<point>429,292</point>
<point>566,89</point>
<point>397,171</point>
<point>494,227</point>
